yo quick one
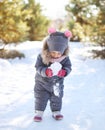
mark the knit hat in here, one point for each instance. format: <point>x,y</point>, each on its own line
<point>58,41</point>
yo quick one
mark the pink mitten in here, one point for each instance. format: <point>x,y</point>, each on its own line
<point>49,72</point>
<point>61,73</point>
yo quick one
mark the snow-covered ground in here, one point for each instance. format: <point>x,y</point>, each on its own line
<point>84,94</point>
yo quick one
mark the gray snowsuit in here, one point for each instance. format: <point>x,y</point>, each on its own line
<point>43,89</point>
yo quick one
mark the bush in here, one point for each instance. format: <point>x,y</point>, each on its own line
<point>99,54</point>
<point>7,54</point>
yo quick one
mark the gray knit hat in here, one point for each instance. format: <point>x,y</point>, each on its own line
<point>57,41</point>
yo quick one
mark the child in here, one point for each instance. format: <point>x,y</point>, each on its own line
<point>52,65</point>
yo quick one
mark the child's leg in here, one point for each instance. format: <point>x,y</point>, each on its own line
<point>56,106</point>
<point>55,103</point>
<point>41,99</point>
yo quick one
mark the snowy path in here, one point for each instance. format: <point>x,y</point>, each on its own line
<point>83,102</point>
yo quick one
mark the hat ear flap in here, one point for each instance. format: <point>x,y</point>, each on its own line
<point>68,34</point>
<point>51,30</point>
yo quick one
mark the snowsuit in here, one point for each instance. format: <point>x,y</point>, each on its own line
<point>43,89</point>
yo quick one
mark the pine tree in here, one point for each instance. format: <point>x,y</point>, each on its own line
<point>88,19</point>
<point>20,21</point>
<point>99,29</point>
<point>38,23</point>
<point>12,28</point>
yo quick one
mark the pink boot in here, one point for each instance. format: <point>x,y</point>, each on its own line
<point>57,116</point>
<point>38,116</point>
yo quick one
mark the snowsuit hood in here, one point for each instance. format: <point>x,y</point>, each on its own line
<point>45,52</point>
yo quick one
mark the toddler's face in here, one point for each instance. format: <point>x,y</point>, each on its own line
<point>55,54</point>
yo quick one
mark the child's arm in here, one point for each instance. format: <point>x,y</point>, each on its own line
<point>40,66</point>
<point>66,65</point>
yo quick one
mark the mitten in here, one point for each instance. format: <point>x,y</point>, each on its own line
<point>61,73</point>
<point>49,72</point>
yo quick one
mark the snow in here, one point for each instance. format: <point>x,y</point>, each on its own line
<point>84,93</point>
<point>56,66</point>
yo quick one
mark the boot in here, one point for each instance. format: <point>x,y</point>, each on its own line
<point>57,115</point>
<point>38,116</point>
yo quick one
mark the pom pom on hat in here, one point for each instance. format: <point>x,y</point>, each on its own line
<point>68,33</point>
<point>51,30</point>
<point>58,41</point>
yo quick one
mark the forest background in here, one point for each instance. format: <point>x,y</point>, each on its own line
<point>21,21</point>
